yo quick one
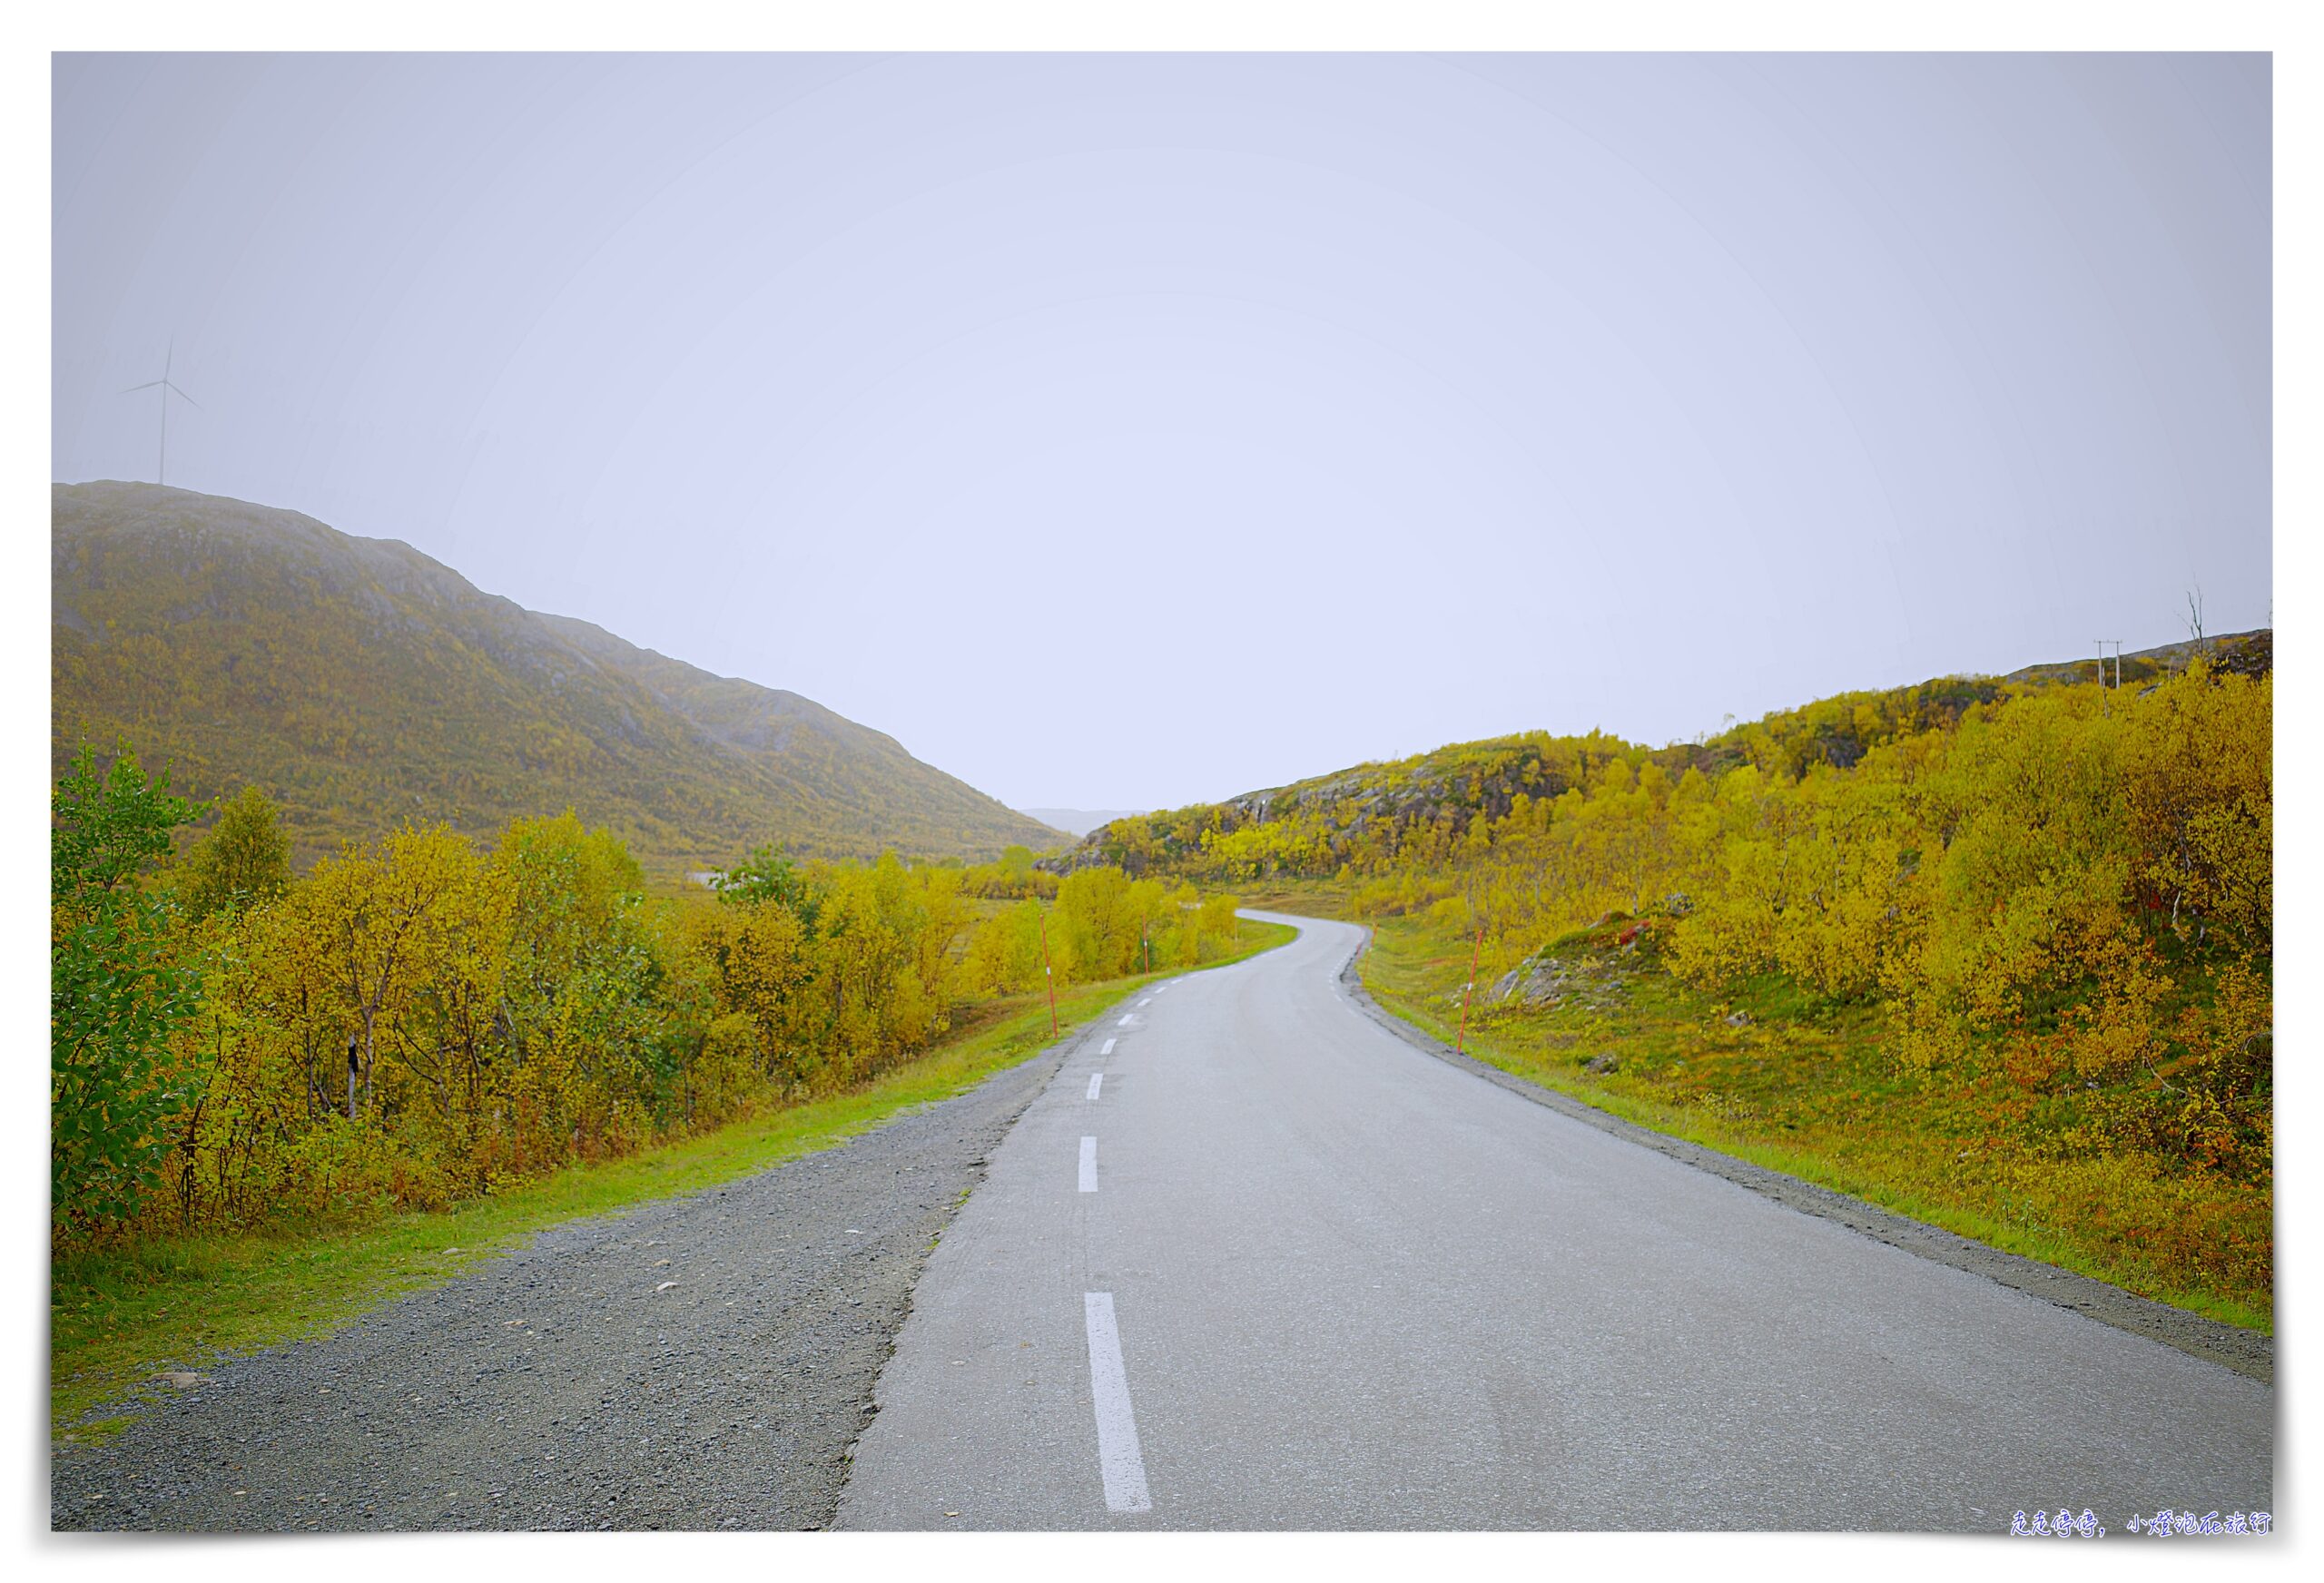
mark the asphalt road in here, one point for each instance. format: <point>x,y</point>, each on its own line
<point>1261,1265</point>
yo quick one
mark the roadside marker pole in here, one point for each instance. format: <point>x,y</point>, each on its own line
<point>1461,1044</point>
<point>1047,976</point>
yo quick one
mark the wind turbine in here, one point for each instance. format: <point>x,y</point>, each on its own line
<point>161,467</point>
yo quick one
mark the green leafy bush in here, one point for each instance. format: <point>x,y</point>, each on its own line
<point>115,997</point>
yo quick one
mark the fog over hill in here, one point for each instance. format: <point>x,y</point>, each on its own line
<point>1078,820</point>
<point>361,683</point>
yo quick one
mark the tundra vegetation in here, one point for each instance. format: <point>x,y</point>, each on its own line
<point>1998,954</point>
<point>425,1022</point>
<point>424,1018</point>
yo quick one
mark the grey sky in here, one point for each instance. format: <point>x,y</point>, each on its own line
<point>1119,432</point>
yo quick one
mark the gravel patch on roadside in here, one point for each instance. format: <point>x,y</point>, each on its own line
<point>698,1362</point>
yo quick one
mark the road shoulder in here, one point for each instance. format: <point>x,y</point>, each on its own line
<point>2246,1353</point>
<point>700,1362</point>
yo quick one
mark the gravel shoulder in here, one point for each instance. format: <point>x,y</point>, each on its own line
<point>703,1362</point>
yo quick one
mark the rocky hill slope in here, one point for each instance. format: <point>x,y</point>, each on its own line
<point>1382,804</point>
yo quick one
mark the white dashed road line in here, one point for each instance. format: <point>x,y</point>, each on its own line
<point>1120,1464</point>
<point>1124,1023</point>
<point>1094,1079</point>
<point>1088,1164</point>
<point>1108,1049</point>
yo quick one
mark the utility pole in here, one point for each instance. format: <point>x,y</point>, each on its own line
<point>2101,643</point>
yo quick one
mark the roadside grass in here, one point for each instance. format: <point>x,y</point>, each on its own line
<point>119,1318</point>
<point>1802,1087</point>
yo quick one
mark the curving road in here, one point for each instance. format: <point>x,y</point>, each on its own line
<point>1251,1262</point>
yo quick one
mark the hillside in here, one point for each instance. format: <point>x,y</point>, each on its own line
<point>361,683</point>
<point>1421,807</point>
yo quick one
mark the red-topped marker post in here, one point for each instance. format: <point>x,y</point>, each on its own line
<point>1049,977</point>
<point>1461,1044</point>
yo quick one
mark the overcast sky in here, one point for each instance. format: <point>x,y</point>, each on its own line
<point>1122,431</point>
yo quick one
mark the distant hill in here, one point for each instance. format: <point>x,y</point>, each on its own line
<point>1078,820</point>
<point>361,684</point>
<point>1369,804</point>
